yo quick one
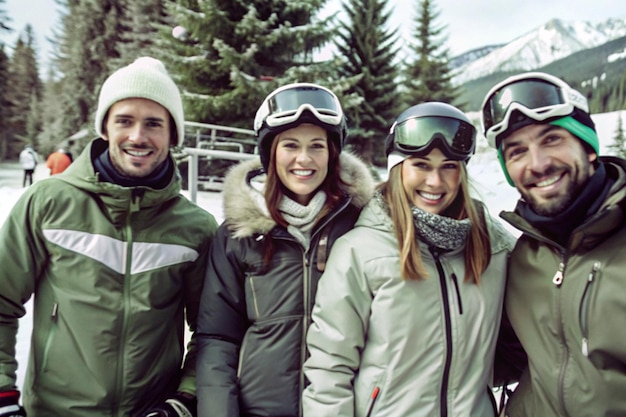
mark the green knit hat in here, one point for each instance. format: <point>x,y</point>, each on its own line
<point>581,130</point>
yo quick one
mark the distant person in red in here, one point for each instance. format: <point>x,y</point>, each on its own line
<point>58,161</point>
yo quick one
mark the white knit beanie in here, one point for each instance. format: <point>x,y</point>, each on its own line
<point>144,78</point>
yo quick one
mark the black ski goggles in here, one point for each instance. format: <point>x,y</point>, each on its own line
<point>286,105</point>
<point>456,138</point>
<point>537,96</point>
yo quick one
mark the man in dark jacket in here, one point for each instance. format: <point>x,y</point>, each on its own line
<point>566,282</point>
<point>115,258</point>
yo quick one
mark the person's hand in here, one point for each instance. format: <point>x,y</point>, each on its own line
<point>180,404</point>
<point>9,404</point>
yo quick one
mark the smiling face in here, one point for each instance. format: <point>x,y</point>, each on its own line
<point>548,166</point>
<point>432,181</point>
<point>138,132</point>
<point>302,160</point>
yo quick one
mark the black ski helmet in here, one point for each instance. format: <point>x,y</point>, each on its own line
<point>293,104</point>
<point>425,126</point>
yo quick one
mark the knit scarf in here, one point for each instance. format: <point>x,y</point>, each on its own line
<point>442,232</point>
<point>301,218</point>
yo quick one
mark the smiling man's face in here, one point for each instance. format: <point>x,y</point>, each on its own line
<point>548,166</point>
<point>138,132</point>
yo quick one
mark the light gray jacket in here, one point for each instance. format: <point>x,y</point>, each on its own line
<point>384,346</point>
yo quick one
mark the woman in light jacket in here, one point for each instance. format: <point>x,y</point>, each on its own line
<point>283,214</point>
<point>408,309</point>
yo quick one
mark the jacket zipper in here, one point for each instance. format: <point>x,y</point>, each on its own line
<point>373,398</point>
<point>584,308</point>
<point>306,291</point>
<point>443,403</point>
<point>254,299</point>
<point>558,280</point>
<point>458,293</point>
<point>242,353</point>
<point>134,207</point>
<point>53,326</point>
<point>306,316</point>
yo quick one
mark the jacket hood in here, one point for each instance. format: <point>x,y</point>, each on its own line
<point>118,200</point>
<point>243,186</point>
<point>616,169</point>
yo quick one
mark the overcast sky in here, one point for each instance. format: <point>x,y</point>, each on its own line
<point>469,24</point>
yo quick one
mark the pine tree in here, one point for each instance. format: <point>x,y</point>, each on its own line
<point>86,52</point>
<point>620,101</point>
<point>4,101</point>
<point>368,52</point>
<point>141,22</point>
<point>428,77</point>
<point>4,82</point>
<point>618,146</point>
<point>51,117</point>
<point>23,89</point>
<point>229,55</point>
<point>4,18</point>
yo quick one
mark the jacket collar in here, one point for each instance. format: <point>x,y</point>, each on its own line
<point>240,197</point>
<point>118,200</point>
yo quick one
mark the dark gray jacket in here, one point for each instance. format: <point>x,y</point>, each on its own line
<point>253,320</point>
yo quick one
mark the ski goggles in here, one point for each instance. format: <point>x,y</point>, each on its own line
<point>536,95</point>
<point>420,134</point>
<point>285,105</point>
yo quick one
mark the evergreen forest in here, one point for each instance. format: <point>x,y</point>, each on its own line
<point>226,56</point>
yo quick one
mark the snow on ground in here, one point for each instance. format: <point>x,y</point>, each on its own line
<point>488,181</point>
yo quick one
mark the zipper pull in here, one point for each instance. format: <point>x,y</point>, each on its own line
<point>594,271</point>
<point>55,312</point>
<point>558,277</point>
<point>585,347</point>
<point>373,397</point>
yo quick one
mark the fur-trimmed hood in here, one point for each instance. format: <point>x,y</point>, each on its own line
<point>245,218</point>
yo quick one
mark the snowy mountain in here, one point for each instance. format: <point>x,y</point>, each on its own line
<point>554,40</point>
<point>466,58</point>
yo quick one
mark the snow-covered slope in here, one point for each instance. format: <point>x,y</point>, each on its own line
<point>554,40</point>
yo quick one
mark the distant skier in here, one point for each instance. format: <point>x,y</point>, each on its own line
<point>29,160</point>
<point>58,161</point>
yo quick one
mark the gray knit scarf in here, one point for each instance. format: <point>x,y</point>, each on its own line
<point>301,218</point>
<point>440,231</point>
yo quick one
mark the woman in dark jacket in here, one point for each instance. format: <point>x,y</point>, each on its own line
<point>283,214</point>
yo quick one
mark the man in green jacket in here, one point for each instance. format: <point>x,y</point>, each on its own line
<point>115,258</point>
<point>565,296</point>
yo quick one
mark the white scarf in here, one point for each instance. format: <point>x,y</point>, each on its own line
<point>302,218</point>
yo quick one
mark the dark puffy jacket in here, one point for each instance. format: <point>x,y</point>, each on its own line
<point>572,331</point>
<point>253,320</point>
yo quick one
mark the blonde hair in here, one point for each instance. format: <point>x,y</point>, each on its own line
<point>477,249</point>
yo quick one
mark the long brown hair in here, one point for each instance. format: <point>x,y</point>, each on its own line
<point>477,249</point>
<point>275,190</point>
